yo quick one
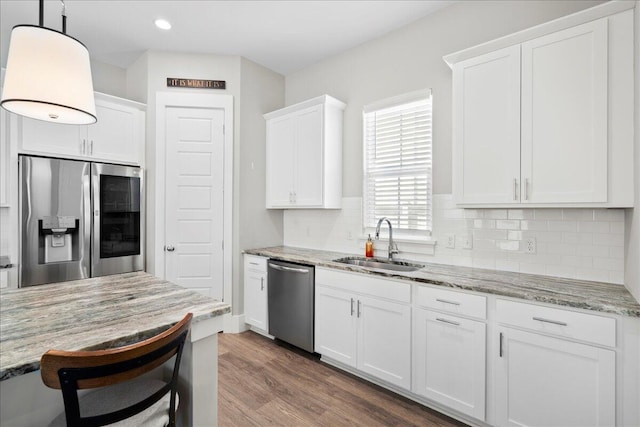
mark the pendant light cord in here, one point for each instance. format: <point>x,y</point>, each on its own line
<point>41,22</point>
<point>64,17</point>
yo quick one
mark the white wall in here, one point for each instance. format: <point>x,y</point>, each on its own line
<point>256,90</point>
<point>632,272</point>
<point>109,79</point>
<point>261,91</point>
<point>409,59</point>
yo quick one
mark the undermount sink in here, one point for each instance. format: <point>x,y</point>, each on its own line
<point>380,263</point>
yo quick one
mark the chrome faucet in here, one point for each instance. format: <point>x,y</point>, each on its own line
<point>393,248</point>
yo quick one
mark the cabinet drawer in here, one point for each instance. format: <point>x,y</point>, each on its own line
<point>255,263</point>
<point>452,302</point>
<point>568,324</point>
<point>365,284</point>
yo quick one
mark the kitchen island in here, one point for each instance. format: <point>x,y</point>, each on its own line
<point>101,313</point>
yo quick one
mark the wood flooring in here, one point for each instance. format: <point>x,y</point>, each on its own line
<point>262,382</point>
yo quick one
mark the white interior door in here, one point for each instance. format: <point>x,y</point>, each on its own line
<point>194,203</point>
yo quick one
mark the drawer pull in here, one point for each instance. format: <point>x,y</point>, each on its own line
<point>555,322</point>
<point>447,301</point>
<point>253,263</point>
<point>450,322</point>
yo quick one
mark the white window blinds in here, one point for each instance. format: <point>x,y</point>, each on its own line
<point>397,162</point>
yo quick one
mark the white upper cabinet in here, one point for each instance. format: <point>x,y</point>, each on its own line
<point>487,131</point>
<point>304,155</point>
<point>118,136</point>
<point>564,116</point>
<point>547,121</point>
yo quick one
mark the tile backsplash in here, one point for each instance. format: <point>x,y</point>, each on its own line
<point>585,244</point>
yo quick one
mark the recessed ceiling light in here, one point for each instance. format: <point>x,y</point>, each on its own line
<point>163,24</point>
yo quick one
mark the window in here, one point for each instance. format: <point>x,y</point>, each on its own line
<point>397,163</point>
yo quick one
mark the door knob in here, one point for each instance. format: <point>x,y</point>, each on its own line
<point>169,248</point>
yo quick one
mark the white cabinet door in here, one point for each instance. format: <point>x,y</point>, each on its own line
<point>335,325</point>
<point>54,139</point>
<point>564,116</point>
<point>449,361</point>
<point>544,381</point>
<point>384,340</point>
<point>115,137</point>
<point>255,299</point>
<point>486,134</point>
<point>280,161</point>
<point>308,164</point>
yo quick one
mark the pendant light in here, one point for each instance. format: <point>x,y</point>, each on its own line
<point>48,75</point>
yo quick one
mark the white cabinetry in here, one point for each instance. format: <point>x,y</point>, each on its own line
<point>118,136</point>
<point>304,155</point>
<point>364,323</point>
<point>534,123</point>
<point>255,292</point>
<point>449,363</point>
<point>543,377</point>
<point>5,156</point>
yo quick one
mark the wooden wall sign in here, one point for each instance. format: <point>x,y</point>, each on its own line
<point>196,83</point>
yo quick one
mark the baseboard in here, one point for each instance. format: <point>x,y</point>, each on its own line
<point>235,324</point>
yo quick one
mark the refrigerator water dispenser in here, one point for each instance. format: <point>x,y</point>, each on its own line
<point>58,243</point>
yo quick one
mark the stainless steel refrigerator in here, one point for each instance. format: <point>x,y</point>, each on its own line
<point>79,219</point>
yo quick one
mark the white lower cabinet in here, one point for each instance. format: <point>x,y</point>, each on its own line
<point>449,361</point>
<point>255,292</point>
<point>545,380</point>
<point>361,326</point>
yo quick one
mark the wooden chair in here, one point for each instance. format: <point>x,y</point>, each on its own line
<point>127,397</point>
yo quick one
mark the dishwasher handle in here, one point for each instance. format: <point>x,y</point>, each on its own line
<point>283,268</point>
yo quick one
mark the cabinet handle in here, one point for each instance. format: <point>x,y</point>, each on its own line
<point>253,263</point>
<point>447,301</point>
<point>83,147</point>
<point>500,344</point>
<point>450,322</point>
<point>91,147</point>
<point>170,248</point>
<point>526,188</point>
<point>295,197</point>
<point>352,306</point>
<point>262,283</point>
<point>555,322</point>
<point>515,189</point>
<point>358,308</point>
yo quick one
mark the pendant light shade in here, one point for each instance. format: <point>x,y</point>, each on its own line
<point>48,77</point>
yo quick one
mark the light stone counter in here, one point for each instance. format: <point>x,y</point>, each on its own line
<point>100,313</point>
<point>596,296</point>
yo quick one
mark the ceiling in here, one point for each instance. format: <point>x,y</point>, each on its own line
<point>284,36</point>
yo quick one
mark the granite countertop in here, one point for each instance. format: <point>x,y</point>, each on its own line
<point>595,296</point>
<point>91,314</point>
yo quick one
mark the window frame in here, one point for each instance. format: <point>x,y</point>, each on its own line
<point>407,98</point>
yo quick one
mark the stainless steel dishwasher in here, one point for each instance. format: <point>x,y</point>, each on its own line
<point>291,296</point>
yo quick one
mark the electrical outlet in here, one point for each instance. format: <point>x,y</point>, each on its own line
<point>349,235</point>
<point>530,245</point>
<point>451,241</point>
<point>467,241</point>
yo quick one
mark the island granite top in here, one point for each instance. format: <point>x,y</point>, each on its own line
<point>91,314</point>
<point>595,296</point>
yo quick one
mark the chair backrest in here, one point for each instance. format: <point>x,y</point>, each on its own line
<point>71,371</point>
